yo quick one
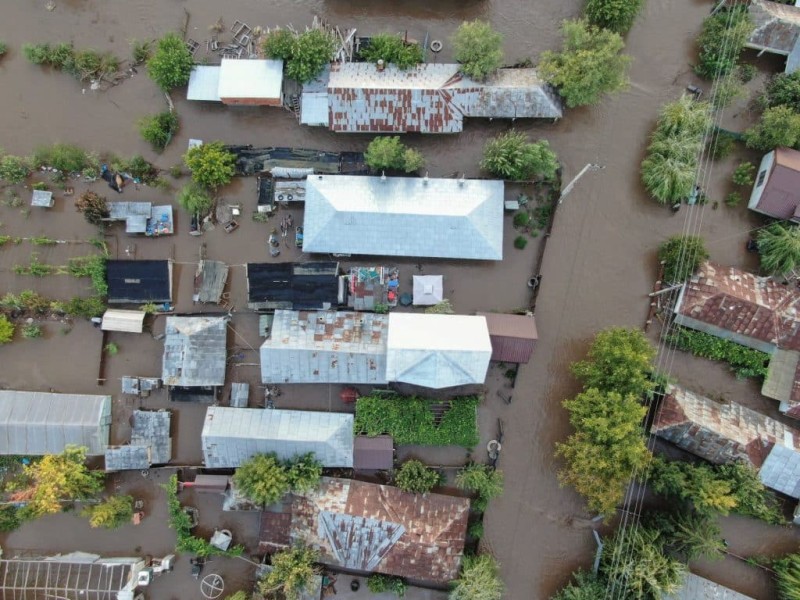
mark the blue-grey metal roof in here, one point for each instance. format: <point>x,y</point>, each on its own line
<point>325,347</point>
<point>233,435</point>
<point>127,458</point>
<point>240,394</point>
<point>150,444</point>
<point>42,198</point>
<point>404,216</point>
<point>698,588</point>
<point>781,471</point>
<point>204,83</point>
<point>195,351</point>
<point>36,423</point>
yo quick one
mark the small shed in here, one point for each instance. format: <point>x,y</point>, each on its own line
<point>209,281</point>
<point>151,443</point>
<point>240,394</point>
<point>42,199</point>
<point>781,471</point>
<point>128,321</point>
<point>210,483</point>
<point>251,82</point>
<point>139,281</point>
<point>373,453</point>
<point>204,84</point>
<point>428,290</point>
<point>513,337</point>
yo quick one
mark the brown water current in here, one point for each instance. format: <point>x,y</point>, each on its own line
<point>598,269</point>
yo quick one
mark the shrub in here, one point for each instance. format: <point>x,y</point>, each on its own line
<point>511,156</point>
<point>6,330</point>
<point>14,169</point>
<point>392,50</point>
<point>86,307</point>
<point>779,126</point>
<point>195,199</point>
<point>93,266</point>
<point>111,513</point>
<point>389,152</point>
<point>111,349</point>
<point>727,90</point>
<point>787,576</point>
<point>482,480</point>
<point>682,254</point>
<point>479,579</point>
<point>63,157</point>
<point>476,530</point>
<point>744,362</point>
<point>733,199</point>
<point>9,518</point>
<point>589,65</point>
<point>212,166</point>
<point>141,50</point>
<point>38,54</point>
<point>311,51</point>
<point>31,331</point>
<point>378,584</point>
<point>3,48</point>
<point>440,308</point>
<point>304,472</point>
<point>585,587</point>
<point>171,63</point>
<point>520,242</point>
<point>747,72</point>
<point>522,219</point>
<point>721,41</point>
<point>159,129</point>
<point>478,48</point>
<point>411,420</point>
<point>279,44</point>
<point>782,89</point>
<point>721,145</point>
<point>779,248</point>
<point>415,477</point>
<point>93,206</point>
<point>743,175</point>
<point>616,15</point>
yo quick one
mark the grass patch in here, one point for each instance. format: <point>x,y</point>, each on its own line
<point>744,362</point>
<point>32,331</point>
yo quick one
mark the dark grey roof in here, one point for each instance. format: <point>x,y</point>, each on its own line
<point>139,281</point>
<point>297,286</point>
<point>195,351</point>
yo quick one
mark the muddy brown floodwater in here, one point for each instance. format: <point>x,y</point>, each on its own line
<point>597,271</point>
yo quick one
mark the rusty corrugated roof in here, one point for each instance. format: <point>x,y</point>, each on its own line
<point>777,26</point>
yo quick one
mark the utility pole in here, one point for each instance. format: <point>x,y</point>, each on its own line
<point>571,184</point>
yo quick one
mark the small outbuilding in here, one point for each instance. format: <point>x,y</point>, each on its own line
<point>776,29</point>
<point>195,353</point>
<point>139,281</point>
<point>42,199</point>
<point>292,286</point>
<point>513,337</point>
<point>128,321</point>
<point>209,281</point>
<point>776,192</point>
<point>428,290</point>
<point>204,83</point>
<point>373,453</point>
<point>151,443</point>
<point>255,82</point>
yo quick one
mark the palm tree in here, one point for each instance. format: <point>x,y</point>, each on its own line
<point>787,571</point>
<point>779,248</point>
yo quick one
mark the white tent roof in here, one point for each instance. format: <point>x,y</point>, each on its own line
<point>428,289</point>
<point>404,216</point>
<point>204,84</point>
<point>437,351</point>
<point>130,321</point>
<point>245,78</point>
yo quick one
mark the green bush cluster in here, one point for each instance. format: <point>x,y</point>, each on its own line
<point>411,420</point>
<point>379,584</point>
<point>779,248</point>
<point>265,479</point>
<point>83,64</point>
<point>787,576</point>
<point>722,40</point>
<point>64,157</point>
<point>681,256</point>
<point>389,153</point>
<point>669,169</point>
<point>511,156</point>
<point>14,169</point>
<point>93,266</point>
<point>159,129</point>
<point>744,362</point>
<point>484,481</point>
<point>413,476</point>
<point>722,145</point>
<point>212,165</point>
<point>305,55</point>
<point>478,48</point>
<point>391,49</point>
<point>743,174</point>
<point>6,330</point>
<point>111,513</point>
<point>31,331</point>
<point>520,242</point>
<point>616,15</point>
<point>171,63</point>
<point>779,126</point>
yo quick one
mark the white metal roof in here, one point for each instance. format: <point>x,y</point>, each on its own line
<point>130,321</point>
<point>437,351</point>
<point>195,351</point>
<point>314,108</point>
<point>36,423</point>
<point>404,216</point>
<point>204,84</point>
<point>250,78</point>
<point>428,289</point>
<point>233,435</point>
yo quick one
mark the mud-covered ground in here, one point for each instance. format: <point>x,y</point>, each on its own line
<point>598,269</point>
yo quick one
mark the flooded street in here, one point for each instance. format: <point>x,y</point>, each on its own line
<point>599,266</point>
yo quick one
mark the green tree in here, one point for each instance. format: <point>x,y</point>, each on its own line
<point>479,579</point>
<point>483,480</point>
<point>6,330</point>
<point>57,478</point>
<point>511,156</point>
<point>262,479</point>
<point>388,152</point>
<point>9,518</point>
<point>391,49</point>
<point>417,478</point>
<point>782,89</point>
<point>696,535</point>
<point>779,248</point>
<point>195,199</point>
<point>743,174</point>
<point>721,42</point>
<point>212,166</point>
<point>279,44</point>
<point>589,65</point>
<point>606,449</point>
<point>311,51</point>
<point>728,89</point>
<point>682,256</point>
<point>304,472</point>
<point>14,169</point>
<point>634,560</point>
<point>698,485</point>
<point>292,573</point>
<point>616,15</point>
<point>584,587</point>
<point>93,206</point>
<point>787,577</point>
<point>111,513</point>
<point>478,48</point>
<point>171,63</point>
<point>779,126</point>
<point>159,129</point>
<point>619,360</point>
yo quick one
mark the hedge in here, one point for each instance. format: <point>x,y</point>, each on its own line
<point>410,420</point>
<point>744,362</point>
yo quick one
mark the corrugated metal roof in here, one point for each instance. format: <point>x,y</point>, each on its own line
<point>210,280</point>
<point>781,471</point>
<point>428,289</point>
<point>437,351</point>
<point>781,382</point>
<point>233,435</point>
<point>151,428</point>
<point>139,281</point>
<point>373,453</point>
<point>699,588</point>
<point>777,26</point>
<point>195,351</point>
<point>127,458</point>
<point>314,108</point>
<point>250,78</point>
<point>404,216</point>
<point>204,83</point>
<point>325,347</point>
<point>36,423</point>
<point>240,394</point>
<point>130,321</point>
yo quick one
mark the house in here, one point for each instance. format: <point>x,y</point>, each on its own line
<point>777,30</point>
<point>292,286</point>
<point>139,281</point>
<point>194,355</point>
<point>698,588</point>
<point>513,337</point>
<point>233,435</point>
<point>253,82</point>
<point>325,347</point>
<point>129,321</point>
<point>437,351</point>
<point>404,216</point>
<point>373,453</point>
<point>757,312</point>
<point>142,218</point>
<point>720,432</point>
<point>358,97</point>
<point>370,528</point>
<point>151,443</point>
<point>427,290</point>
<point>39,423</point>
<point>776,192</point>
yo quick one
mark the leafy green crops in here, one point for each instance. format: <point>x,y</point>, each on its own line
<point>745,362</point>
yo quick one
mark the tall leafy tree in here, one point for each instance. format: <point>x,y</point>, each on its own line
<point>682,255</point>
<point>312,50</point>
<point>195,199</point>
<point>616,15</point>
<point>389,153</point>
<point>113,512</point>
<point>304,472</point>
<point>479,579</point>
<point>779,249</point>
<point>262,479</point>
<point>590,64</point>
<point>779,126</point>
<point>782,89</point>
<point>722,40</point>
<point>211,164</point>
<point>478,48</point>
<point>481,479</point>
<point>171,63</point>
<point>292,573</point>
